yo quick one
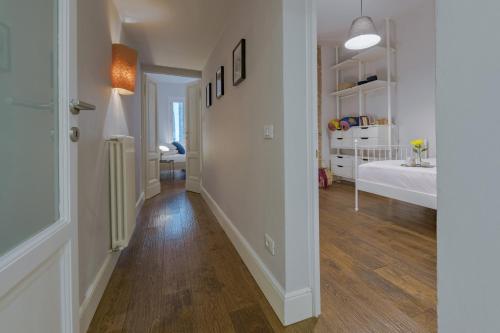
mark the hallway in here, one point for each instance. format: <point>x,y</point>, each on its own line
<point>181,274</point>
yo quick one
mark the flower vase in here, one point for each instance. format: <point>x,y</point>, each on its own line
<point>419,158</point>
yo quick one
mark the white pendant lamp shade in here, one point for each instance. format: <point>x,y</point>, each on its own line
<point>362,34</point>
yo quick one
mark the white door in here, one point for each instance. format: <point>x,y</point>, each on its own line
<point>193,137</point>
<point>38,183</point>
<point>153,186</point>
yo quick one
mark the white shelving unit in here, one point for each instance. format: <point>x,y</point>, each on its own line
<point>367,87</point>
<point>342,163</point>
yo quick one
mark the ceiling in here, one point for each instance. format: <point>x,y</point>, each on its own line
<point>163,78</point>
<point>335,16</point>
<point>174,33</point>
<point>182,33</point>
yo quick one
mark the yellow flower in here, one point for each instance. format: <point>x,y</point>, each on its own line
<point>418,143</point>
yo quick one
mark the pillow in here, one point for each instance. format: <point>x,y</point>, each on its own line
<point>179,147</point>
<point>170,146</point>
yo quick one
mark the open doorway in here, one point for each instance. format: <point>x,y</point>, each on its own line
<point>377,149</point>
<point>171,117</point>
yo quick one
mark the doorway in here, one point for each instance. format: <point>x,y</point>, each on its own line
<point>379,262</point>
<point>171,116</point>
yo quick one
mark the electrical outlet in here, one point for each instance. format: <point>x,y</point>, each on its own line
<point>270,244</point>
<point>269,132</point>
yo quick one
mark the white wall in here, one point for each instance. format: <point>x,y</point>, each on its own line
<point>166,92</point>
<point>242,171</point>
<point>414,37</point>
<point>248,177</point>
<point>416,69</point>
<point>468,192</point>
<point>98,27</point>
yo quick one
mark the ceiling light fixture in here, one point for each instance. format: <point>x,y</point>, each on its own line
<point>363,33</point>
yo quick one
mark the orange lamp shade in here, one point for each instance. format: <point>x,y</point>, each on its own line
<point>123,69</point>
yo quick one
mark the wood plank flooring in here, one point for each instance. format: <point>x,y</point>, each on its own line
<point>182,274</point>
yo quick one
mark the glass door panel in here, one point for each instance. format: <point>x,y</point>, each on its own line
<point>29,186</point>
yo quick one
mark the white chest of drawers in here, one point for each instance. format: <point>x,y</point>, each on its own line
<point>342,162</point>
<point>377,135</point>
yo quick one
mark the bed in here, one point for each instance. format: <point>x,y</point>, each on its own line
<point>378,170</point>
<point>179,160</point>
<point>169,153</point>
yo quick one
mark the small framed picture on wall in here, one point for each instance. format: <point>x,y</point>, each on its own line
<point>208,95</point>
<point>219,82</point>
<point>239,63</point>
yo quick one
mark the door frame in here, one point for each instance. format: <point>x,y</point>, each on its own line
<point>312,153</point>
<point>154,69</point>
<point>59,241</point>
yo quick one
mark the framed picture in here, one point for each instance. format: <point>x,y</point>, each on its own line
<point>239,63</point>
<point>219,82</point>
<point>4,48</point>
<point>208,95</point>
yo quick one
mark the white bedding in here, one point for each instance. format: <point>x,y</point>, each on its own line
<point>176,158</point>
<point>391,173</point>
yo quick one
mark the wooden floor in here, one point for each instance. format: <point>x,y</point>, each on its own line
<point>181,273</point>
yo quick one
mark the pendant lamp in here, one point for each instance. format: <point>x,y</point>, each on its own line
<point>363,33</point>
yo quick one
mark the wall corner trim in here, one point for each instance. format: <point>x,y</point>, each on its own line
<point>290,307</point>
<point>140,203</point>
<point>95,291</point>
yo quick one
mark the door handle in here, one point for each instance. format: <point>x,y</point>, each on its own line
<point>76,106</point>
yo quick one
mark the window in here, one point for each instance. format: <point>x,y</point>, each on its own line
<point>178,123</point>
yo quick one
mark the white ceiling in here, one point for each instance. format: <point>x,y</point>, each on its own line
<point>174,33</point>
<point>163,78</point>
<point>182,33</point>
<point>335,16</point>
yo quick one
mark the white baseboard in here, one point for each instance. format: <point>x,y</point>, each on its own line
<point>290,307</point>
<point>298,306</point>
<point>139,203</point>
<point>96,290</point>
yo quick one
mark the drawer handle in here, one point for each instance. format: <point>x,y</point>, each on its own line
<point>364,128</point>
<point>340,166</point>
<point>340,156</point>
<point>340,138</point>
<point>364,138</point>
<point>365,159</point>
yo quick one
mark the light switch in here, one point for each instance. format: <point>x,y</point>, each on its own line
<point>269,132</point>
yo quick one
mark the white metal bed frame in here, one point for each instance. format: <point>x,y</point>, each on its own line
<point>384,153</point>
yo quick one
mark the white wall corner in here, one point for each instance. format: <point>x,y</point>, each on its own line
<point>301,192</point>
<point>95,291</point>
<point>298,306</point>
<point>139,203</point>
<point>291,307</point>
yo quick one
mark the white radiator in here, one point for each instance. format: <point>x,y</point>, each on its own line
<point>122,190</point>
